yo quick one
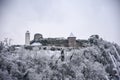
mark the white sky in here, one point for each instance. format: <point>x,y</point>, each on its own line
<point>58,18</point>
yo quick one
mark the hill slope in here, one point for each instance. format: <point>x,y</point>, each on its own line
<point>99,60</point>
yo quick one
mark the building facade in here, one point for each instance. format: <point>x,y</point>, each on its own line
<point>27,38</point>
<point>60,42</point>
<point>72,40</point>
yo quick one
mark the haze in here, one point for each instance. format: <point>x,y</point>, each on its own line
<point>58,18</point>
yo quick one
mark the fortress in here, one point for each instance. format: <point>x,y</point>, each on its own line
<point>38,40</point>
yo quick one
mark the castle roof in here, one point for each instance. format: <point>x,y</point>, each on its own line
<point>71,35</point>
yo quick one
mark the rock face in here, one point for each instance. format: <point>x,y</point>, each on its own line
<point>100,60</point>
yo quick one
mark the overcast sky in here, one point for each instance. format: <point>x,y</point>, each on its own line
<point>58,18</point>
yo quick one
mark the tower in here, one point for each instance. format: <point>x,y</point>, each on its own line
<point>72,40</point>
<point>27,38</point>
<point>38,37</point>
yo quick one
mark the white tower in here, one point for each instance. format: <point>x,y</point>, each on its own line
<point>27,38</point>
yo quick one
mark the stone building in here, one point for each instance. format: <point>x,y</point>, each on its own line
<point>72,40</point>
<point>38,37</point>
<point>59,42</point>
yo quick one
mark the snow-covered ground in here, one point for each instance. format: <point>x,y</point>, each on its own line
<point>98,61</point>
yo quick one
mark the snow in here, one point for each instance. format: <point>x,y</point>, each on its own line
<point>36,44</point>
<point>94,62</point>
<point>111,57</point>
<point>116,52</point>
<point>107,77</point>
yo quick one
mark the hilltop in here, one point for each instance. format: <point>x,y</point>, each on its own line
<point>96,60</point>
